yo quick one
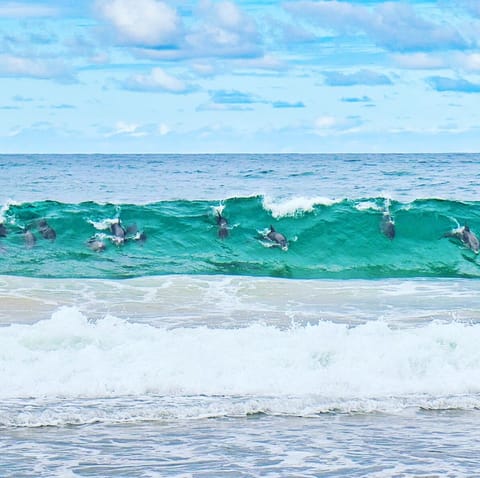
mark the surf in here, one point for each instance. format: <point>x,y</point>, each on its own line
<point>327,239</point>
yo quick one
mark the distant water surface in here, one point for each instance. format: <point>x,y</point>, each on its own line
<point>141,179</point>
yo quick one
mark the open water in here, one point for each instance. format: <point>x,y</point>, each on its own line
<point>188,350</point>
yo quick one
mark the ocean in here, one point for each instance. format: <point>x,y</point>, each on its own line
<point>140,336</point>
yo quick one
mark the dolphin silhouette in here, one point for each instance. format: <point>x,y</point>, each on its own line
<point>470,239</point>
<point>118,232</point>
<point>96,244</point>
<point>466,236</point>
<point>46,231</point>
<point>29,238</point>
<point>277,237</point>
<point>388,225</point>
<point>222,226</point>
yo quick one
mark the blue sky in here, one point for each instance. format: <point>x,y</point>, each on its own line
<point>184,76</point>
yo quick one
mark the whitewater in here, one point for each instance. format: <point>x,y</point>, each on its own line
<point>187,354</point>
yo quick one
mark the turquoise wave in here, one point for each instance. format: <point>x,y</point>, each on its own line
<point>325,240</point>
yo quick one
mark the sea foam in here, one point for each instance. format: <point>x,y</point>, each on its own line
<point>296,205</point>
<point>71,356</point>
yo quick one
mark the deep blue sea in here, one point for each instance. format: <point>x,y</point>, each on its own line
<point>153,325</point>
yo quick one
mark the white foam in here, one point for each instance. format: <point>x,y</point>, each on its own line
<point>218,210</point>
<point>295,205</point>
<point>103,224</point>
<point>70,356</point>
<point>5,207</point>
<point>368,205</point>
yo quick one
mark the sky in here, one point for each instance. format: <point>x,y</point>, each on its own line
<point>206,76</point>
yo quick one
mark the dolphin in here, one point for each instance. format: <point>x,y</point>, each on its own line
<point>118,232</point>
<point>277,237</point>
<point>132,233</point>
<point>222,226</point>
<point>3,230</point>
<point>29,238</point>
<point>388,225</point>
<point>466,236</point>
<point>96,244</point>
<point>46,231</point>
<point>470,239</point>
<point>122,234</point>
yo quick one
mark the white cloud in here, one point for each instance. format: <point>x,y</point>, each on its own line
<point>17,66</point>
<point>157,79</point>
<point>155,30</point>
<point>128,129</point>
<point>325,122</point>
<point>267,62</point>
<point>224,30</point>
<point>395,26</point>
<point>204,69</point>
<point>163,129</point>
<point>327,125</point>
<point>419,61</point>
<point>13,132</point>
<point>468,61</point>
<point>23,10</point>
<point>148,23</point>
<point>424,61</point>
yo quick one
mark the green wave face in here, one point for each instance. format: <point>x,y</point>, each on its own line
<point>341,240</point>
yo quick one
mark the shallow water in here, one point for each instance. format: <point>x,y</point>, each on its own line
<point>419,444</point>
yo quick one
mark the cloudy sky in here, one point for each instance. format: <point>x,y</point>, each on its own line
<point>239,76</point>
